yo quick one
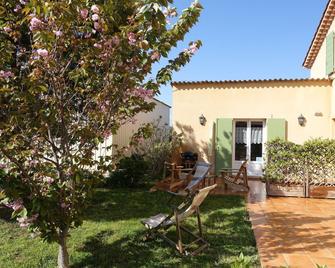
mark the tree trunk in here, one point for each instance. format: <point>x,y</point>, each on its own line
<point>63,255</point>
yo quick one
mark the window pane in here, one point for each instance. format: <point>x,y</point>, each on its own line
<point>256,141</point>
<point>240,140</point>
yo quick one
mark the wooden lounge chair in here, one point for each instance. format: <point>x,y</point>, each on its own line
<point>160,223</point>
<point>181,178</point>
<point>237,179</point>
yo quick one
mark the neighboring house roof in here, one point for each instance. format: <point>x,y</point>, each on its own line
<point>162,102</point>
<point>176,83</point>
<point>320,34</point>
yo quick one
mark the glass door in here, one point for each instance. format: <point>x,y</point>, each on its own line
<point>249,145</point>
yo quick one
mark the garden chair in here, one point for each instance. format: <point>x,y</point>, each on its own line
<point>160,223</point>
<point>236,178</point>
<point>183,179</point>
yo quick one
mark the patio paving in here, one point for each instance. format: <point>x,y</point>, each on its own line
<point>292,232</point>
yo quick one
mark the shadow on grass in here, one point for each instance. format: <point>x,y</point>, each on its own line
<point>225,227</point>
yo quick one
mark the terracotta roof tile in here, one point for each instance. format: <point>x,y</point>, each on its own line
<point>249,81</point>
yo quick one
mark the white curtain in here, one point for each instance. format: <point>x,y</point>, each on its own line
<point>256,135</point>
<point>241,135</point>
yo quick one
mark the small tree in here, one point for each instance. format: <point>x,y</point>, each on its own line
<point>157,144</point>
<point>72,72</point>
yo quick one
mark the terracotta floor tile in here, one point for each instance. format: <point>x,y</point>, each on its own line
<point>298,261</point>
<point>319,252</point>
<point>275,262</point>
<point>293,231</point>
<point>330,262</point>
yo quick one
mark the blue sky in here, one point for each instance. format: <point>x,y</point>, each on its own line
<point>259,39</point>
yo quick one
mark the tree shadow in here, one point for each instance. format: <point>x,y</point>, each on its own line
<point>204,149</point>
<point>226,227</point>
<point>291,232</point>
<point>113,205</point>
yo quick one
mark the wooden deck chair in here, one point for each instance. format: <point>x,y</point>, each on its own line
<point>182,177</point>
<point>192,180</point>
<point>237,179</point>
<point>159,224</point>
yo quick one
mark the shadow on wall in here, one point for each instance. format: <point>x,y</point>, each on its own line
<point>207,149</point>
<point>217,150</point>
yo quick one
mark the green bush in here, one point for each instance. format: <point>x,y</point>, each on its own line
<point>158,147</point>
<point>286,161</point>
<point>131,172</point>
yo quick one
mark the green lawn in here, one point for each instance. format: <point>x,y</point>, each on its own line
<point>111,235</point>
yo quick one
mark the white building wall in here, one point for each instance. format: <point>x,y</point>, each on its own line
<point>161,112</point>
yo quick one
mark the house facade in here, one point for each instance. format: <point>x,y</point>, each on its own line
<point>227,122</point>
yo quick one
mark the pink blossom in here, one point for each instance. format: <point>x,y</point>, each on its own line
<point>42,52</point>
<point>96,45</point>
<point>132,38</point>
<point>84,13</point>
<point>33,163</point>
<point>23,2</point>
<point>107,133</point>
<point>48,180</point>
<point>64,206</point>
<point>35,24</point>
<point>97,26</point>
<point>7,29</point>
<point>193,48</point>
<point>143,93</point>
<point>3,166</point>
<point>155,55</point>
<point>6,74</point>
<point>95,17</point>
<point>108,44</point>
<point>25,221</point>
<point>116,40</point>
<point>17,8</point>
<point>170,12</point>
<point>16,205</point>
<point>95,9</point>
<point>58,33</point>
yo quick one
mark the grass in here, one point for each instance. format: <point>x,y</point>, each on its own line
<point>111,235</point>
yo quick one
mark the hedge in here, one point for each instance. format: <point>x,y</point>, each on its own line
<point>293,163</point>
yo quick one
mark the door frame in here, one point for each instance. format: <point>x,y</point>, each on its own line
<point>236,163</point>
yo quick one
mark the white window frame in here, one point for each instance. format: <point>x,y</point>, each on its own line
<point>264,138</point>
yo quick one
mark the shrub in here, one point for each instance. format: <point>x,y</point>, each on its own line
<point>291,162</point>
<point>131,172</point>
<point>158,147</point>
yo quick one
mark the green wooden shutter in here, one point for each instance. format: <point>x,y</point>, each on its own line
<point>330,53</point>
<point>224,144</point>
<point>276,128</point>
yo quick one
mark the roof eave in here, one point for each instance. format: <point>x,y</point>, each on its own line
<point>320,34</point>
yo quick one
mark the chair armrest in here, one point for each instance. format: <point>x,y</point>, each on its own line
<point>184,169</point>
<point>173,193</point>
<point>180,193</point>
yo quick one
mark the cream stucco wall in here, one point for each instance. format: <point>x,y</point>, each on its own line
<point>251,100</point>
<point>318,69</point>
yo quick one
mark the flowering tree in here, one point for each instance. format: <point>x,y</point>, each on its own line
<point>72,72</point>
